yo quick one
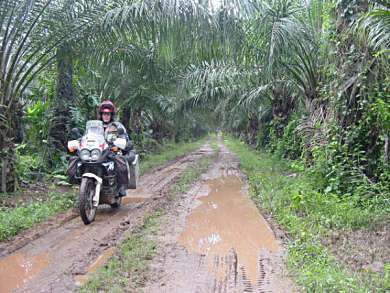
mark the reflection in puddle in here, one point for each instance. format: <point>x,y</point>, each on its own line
<point>17,269</point>
<point>227,219</point>
<point>99,262</point>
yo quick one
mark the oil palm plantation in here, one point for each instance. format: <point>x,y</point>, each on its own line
<point>34,34</point>
<point>263,66</point>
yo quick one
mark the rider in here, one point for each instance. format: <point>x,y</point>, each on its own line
<point>107,111</point>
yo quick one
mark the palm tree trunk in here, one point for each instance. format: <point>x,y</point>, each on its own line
<point>386,150</point>
<point>66,96</point>
<point>281,110</point>
<point>253,128</point>
<point>4,167</point>
<point>10,133</point>
<point>136,126</point>
<point>125,117</point>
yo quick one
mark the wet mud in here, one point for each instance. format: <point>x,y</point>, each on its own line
<point>67,252</point>
<point>17,269</point>
<point>227,222</point>
<point>215,239</point>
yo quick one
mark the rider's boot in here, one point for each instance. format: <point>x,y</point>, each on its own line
<point>122,191</point>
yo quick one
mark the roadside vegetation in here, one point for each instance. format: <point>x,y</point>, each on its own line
<point>308,215</point>
<point>24,216</point>
<point>128,269</point>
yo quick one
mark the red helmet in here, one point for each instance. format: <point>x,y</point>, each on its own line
<point>107,107</point>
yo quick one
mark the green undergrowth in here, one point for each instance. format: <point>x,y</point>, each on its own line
<point>169,152</point>
<point>14,220</point>
<point>290,196</point>
<point>25,215</point>
<point>128,270</point>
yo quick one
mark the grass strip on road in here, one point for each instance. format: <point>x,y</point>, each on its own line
<point>26,215</point>
<point>307,215</point>
<point>169,152</point>
<point>128,270</point>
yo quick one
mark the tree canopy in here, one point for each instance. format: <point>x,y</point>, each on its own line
<point>307,80</point>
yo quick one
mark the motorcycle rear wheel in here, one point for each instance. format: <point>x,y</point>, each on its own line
<point>87,191</point>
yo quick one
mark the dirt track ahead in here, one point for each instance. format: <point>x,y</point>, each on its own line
<point>213,239</point>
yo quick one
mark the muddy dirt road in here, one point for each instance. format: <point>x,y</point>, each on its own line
<point>211,239</point>
<point>56,260</point>
<point>215,239</point>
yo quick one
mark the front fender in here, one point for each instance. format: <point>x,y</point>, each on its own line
<point>93,176</point>
<point>99,182</point>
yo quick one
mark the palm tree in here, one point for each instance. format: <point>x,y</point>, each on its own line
<point>138,54</point>
<point>25,26</point>
<point>376,26</point>
<point>35,33</point>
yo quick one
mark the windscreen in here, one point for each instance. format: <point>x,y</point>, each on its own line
<point>94,135</point>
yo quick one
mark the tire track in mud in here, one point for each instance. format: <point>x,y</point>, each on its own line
<point>50,261</point>
<point>215,239</point>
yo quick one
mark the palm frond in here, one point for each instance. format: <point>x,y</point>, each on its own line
<point>376,27</point>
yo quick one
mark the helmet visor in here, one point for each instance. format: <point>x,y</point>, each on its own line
<point>106,110</point>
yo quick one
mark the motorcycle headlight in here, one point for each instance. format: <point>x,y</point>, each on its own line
<point>84,155</point>
<point>95,154</point>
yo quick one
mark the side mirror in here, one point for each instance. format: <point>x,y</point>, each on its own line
<point>75,133</point>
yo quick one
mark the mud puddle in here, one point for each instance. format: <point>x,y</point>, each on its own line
<point>227,224</point>
<point>215,240</point>
<point>17,269</point>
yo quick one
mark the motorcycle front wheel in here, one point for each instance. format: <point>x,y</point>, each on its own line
<point>87,191</point>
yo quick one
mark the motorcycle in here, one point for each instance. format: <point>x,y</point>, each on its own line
<point>95,168</point>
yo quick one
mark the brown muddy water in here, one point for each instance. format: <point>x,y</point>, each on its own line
<point>225,221</point>
<point>17,269</point>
